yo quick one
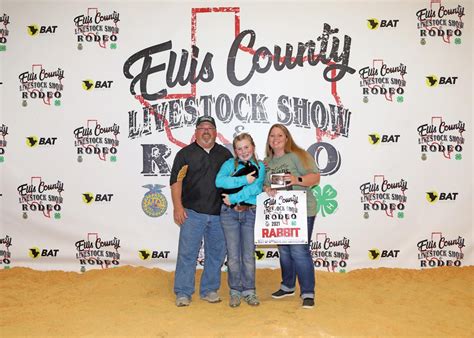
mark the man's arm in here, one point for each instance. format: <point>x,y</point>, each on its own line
<point>179,213</point>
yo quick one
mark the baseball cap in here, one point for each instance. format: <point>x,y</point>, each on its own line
<point>202,119</point>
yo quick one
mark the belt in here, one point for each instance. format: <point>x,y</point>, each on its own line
<point>241,208</point>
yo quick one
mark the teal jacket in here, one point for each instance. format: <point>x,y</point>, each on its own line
<point>249,192</point>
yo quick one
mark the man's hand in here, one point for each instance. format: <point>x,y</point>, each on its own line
<point>179,215</point>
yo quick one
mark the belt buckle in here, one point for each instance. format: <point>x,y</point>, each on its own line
<point>240,208</point>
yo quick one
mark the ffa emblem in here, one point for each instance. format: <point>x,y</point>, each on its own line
<point>154,203</point>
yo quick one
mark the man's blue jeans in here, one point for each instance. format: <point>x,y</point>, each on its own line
<point>239,236</point>
<point>191,233</point>
<point>296,261</point>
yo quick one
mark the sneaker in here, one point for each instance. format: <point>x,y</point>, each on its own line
<point>212,297</point>
<point>234,300</point>
<point>280,294</point>
<point>252,300</point>
<point>308,303</point>
<point>182,301</point>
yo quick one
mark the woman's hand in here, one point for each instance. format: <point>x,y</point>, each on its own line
<point>270,192</point>
<point>290,179</point>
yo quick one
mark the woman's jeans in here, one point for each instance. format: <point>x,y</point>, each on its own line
<point>296,261</point>
<point>239,236</point>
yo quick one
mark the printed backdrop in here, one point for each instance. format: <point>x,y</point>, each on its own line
<point>97,97</point>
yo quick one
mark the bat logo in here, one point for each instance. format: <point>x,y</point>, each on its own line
<point>432,196</point>
<point>87,84</point>
<point>33,30</point>
<point>31,141</point>
<point>87,197</point>
<point>431,81</point>
<point>34,252</point>
<point>372,23</point>
<point>144,254</point>
<point>374,138</point>
<point>374,254</point>
<point>259,254</point>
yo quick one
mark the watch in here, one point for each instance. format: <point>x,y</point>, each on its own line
<point>300,179</point>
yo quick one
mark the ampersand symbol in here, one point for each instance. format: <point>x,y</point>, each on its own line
<point>238,130</point>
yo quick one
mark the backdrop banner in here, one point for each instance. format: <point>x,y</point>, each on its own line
<point>98,97</point>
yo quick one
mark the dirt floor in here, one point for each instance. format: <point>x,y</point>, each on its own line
<point>130,301</point>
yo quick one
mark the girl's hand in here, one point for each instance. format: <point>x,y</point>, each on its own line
<point>225,199</point>
<point>250,178</point>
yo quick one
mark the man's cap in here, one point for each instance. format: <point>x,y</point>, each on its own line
<point>202,119</point>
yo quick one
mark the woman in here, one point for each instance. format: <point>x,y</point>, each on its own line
<point>300,172</point>
<point>242,180</point>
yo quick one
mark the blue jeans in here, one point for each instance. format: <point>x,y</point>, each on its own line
<point>239,236</point>
<point>194,228</point>
<point>296,261</point>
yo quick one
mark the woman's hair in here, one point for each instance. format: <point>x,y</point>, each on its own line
<point>240,137</point>
<point>290,147</point>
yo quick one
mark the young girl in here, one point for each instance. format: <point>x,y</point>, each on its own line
<point>242,180</point>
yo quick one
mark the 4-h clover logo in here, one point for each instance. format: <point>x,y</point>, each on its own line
<point>325,198</point>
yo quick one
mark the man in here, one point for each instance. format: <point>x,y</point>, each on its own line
<point>197,203</point>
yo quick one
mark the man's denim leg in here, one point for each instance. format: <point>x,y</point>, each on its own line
<point>231,227</point>
<point>214,251</point>
<point>248,252</point>
<point>190,237</point>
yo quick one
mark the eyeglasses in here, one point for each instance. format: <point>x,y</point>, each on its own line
<point>208,129</point>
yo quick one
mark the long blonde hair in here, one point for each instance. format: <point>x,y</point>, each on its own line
<point>290,147</point>
<point>240,137</point>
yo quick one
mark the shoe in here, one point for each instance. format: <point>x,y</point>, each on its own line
<point>212,297</point>
<point>252,300</point>
<point>308,303</point>
<point>234,300</point>
<point>182,301</point>
<point>280,294</point>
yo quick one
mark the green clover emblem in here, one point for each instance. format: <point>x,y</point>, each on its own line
<point>113,158</point>
<point>57,103</point>
<point>326,199</point>
<point>401,214</point>
<point>458,157</point>
<point>457,41</point>
<point>2,159</point>
<point>400,99</point>
<point>57,215</point>
<point>113,46</point>
<point>3,48</point>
